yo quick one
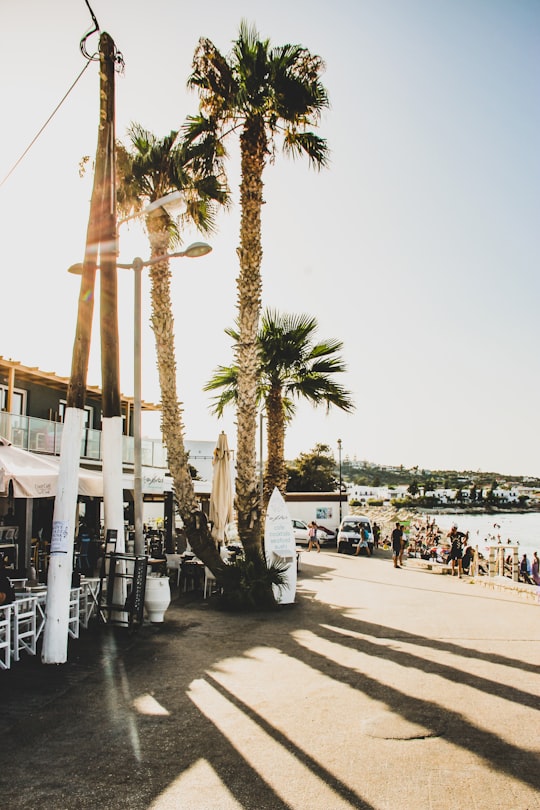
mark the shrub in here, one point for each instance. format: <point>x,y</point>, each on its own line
<point>247,583</point>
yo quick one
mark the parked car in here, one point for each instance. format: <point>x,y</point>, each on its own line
<point>349,533</point>
<point>300,529</point>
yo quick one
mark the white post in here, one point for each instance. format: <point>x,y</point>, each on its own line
<point>113,497</point>
<point>55,637</point>
<point>137,408</point>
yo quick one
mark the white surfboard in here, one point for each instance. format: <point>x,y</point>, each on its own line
<point>279,544</point>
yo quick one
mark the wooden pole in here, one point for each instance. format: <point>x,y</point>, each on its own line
<point>55,638</point>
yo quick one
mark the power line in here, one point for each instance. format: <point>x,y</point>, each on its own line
<point>32,142</point>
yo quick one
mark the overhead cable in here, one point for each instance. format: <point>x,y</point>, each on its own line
<point>34,139</point>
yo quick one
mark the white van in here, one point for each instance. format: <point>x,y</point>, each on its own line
<point>349,533</point>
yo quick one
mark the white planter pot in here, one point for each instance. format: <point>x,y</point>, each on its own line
<point>157,597</point>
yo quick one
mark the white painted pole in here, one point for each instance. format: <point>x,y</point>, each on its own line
<point>137,408</point>
<point>55,637</point>
<point>113,496</point>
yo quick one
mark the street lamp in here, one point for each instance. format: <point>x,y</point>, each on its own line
<point>261,468</point>
<point>193,251</point>
<point>340,484</point>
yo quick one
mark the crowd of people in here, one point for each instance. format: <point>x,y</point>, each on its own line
<point>428,542</point>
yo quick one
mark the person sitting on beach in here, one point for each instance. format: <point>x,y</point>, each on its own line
<point>468,558</point>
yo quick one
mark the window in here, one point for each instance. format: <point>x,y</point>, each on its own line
<point>88,414</point>
<point>18,401</point>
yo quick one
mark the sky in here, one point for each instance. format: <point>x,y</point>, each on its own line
<point>418,247</point>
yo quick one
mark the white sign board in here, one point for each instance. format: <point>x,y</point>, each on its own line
<point>153,481</point>
<point>280,545</point>
<point>60,537</point>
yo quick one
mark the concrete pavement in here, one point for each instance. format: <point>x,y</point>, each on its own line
<point>379,689</point>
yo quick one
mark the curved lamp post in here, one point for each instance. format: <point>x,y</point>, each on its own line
<point>193,251</point>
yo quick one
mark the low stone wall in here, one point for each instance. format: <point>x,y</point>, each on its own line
<point>521,589</point>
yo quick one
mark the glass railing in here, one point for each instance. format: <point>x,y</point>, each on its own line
<point>44,436</point>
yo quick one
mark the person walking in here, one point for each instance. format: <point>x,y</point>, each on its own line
<point>363,541</point>
<point>456,550</point>
<point>524,570</point>
<point>397,545</point>
<point>312,536</point>
<point>376,534</point>
<point>535,569</point>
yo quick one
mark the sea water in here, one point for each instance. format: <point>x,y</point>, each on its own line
<point>486,530</point>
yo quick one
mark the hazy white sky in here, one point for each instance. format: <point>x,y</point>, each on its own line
<point>418,247</point>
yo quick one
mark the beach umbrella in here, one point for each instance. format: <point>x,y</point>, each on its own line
<point>221,497</point>
<point>34,476</point>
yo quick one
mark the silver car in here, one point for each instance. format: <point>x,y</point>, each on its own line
<point>324,536</point>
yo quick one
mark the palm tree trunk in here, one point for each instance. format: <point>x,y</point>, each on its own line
<point>253,150</point>
<point>275,473</point>
<point>171,414</point>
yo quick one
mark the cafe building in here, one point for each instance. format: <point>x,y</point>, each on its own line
<point>32,408</point>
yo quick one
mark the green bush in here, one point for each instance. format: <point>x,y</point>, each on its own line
<point>247,584</point>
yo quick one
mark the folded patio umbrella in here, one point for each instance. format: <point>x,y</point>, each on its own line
<point>221,497</point>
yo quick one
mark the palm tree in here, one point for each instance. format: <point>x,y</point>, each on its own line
<point>292,366</point>
<point>151,169</point>
<point>262,93</point>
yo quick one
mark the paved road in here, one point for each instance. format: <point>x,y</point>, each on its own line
<point>380,689</point>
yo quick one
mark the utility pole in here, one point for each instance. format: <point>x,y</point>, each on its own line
<point>110,359</point>
<point>55,636</point>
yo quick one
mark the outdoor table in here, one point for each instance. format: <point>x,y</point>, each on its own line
<point>11,550</point>
<point>18,584</point>
<point>39,592</point>
<point>192,573</point>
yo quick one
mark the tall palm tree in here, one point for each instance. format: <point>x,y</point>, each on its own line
<point>149,170</point>
<point>263,93</point>
<point>292,366</point>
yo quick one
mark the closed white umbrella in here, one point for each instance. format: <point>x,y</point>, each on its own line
<point>221,497</point>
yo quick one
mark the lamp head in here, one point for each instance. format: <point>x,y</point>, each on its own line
<point>76,269</point>
<point>197,249</point>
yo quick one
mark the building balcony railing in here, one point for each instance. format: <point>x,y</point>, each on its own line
<point>45,436</point>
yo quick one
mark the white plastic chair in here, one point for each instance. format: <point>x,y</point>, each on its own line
<point>24,634</point>
<point>210,581</point>
<point>74,622</point>
<point>5,636</point>
<point>173,564</point>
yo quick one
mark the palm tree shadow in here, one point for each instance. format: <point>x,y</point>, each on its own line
<point>157,750</point>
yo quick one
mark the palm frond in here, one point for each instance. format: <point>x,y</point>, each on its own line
<point>307,143</point>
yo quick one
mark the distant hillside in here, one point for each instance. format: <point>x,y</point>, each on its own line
<point>369,474</point>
